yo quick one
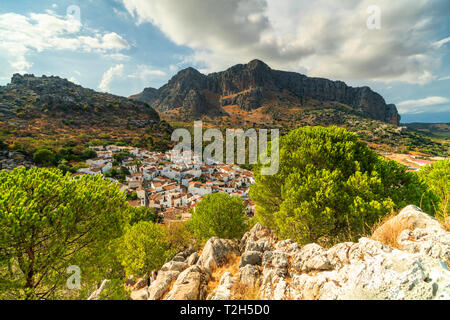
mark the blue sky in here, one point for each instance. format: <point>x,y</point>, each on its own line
<point>123,46</point>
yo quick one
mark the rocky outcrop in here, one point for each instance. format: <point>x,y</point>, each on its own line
<point>190,285</point>
<point>215,253</point>
<point>10,160</point>
<point>282,270</point>
<point>223,291</point>
<point>251,86</point>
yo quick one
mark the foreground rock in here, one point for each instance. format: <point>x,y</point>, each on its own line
<point>216,252</point>
<point>189,285</point>
<point>415,269</point>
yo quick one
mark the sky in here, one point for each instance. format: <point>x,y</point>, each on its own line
<point>401,49</point>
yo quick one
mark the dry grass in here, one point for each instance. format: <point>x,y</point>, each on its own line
<point>446,224</point>
<point>231,265</point>
<point>242,292</point>
<point>170,289</point>
<point>389,229</point>
<point>239,290</point>
<point>445,221</point>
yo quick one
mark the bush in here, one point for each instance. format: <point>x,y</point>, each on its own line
<point>180,238</point>
<point>3,145</point>
<point>331,187</point>
<point>219,215</point>
<point>45,157</point>
<point>49,221</point>
<point>114,290</point>
<point>138,214</point>
<point>144,248</point>
<point>437,176</point>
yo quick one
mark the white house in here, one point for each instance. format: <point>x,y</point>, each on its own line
<point>199,188</point>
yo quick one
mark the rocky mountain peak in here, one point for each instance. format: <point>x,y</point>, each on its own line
<point>255,85</point>
<point>257,65</point>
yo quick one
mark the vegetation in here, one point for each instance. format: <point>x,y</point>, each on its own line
<point>48,222</point>
<point>437,175</point>
<point>3,145</point>
<point>144,248</point>
<point>180,238</point>
<point>389,229</point>
<point>219,215</point>
<point>118,174</point>
<point>331,187</point>
<point>138,214</point>
<point>45,157</point>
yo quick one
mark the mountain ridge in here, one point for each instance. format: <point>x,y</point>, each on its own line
<point>47,111</point>
<point>255,85</point>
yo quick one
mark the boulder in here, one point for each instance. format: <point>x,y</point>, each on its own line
<point>215,253</point>
<point>141,294</point>
<point>275,259</point>
<point>161,285</point>
<point>141,283</point>
<point>192,259</point>
<point>249,276</point>
<point>252,238</point>
<point>179,258</point>
<point>424,234</point>
<point>223,291</point>
<point>251,258</point>
<point>377,272</point>
<point>287,246</point>
<point>312,257</point>
<point>189,285</point>
<point>174,266</point>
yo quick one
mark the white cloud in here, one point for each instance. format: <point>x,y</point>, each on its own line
<point>145,73</point>
<point>74,80</point>
<point>429,104</point>
<point>322,37</point>
<point>22,35</point>
<point>108,77</point>
<point>442,42</point>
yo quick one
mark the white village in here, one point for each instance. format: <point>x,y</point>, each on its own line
<point>170,184</point>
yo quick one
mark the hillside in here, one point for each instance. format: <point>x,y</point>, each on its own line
<point>254,86</point>
<point>51,111</point>
<point>258,267</point>
<point>256,96</point>
<point>440,130</point>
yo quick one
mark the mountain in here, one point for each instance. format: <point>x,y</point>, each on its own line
<point>433,129</point>
<point>53,109</point>
<point>28,97</point>
<point>255,86</point>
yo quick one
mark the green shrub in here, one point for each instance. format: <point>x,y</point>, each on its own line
<point>219,215</point>
<point>138,214</point>
<point>331,187</point>
<point>180,238</point>
<point>3,145</point>
<point>144,248</point>
<point>45,157</point>
<point>437,175</point>
<point>114,290</point>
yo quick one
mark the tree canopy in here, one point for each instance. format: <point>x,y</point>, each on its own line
<point>50,221</point>
<point>219,215</point>
<point>437,176</point>
<point>144,248</point>
<point>331,187</point>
